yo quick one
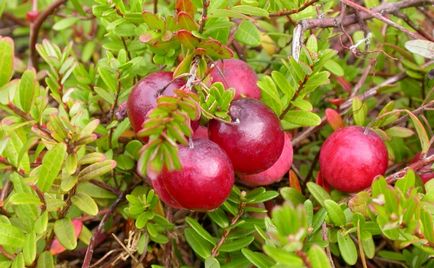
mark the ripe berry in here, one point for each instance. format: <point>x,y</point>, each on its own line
<point>275,172</point>
<point>32,15</point>
<point>351,158</point>
<point>238,75</point>
<point>253,140</point>
<point>201,132</point>
<point>203,183</point>
<point>144,95</point>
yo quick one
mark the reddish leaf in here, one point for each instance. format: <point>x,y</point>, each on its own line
<point>215,49</point>
<point>185,21</point>
<point>187,39</point>
<point>153,21</point>
<point>335,101</point>
<point>293,181</point>
<point>56,247</point>
<point>344,83</point>
<point>334,119</point>
<point>185,5</point>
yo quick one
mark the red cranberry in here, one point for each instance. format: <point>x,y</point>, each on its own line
<point>32,15</point>
<point>144,96</point>
<point>238,75</point>
<point>276,172</point>
<point>203,183</point>
<point>351,158</point>
<point>254,140</point>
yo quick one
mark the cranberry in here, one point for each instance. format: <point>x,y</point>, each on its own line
<point>275,172</point>
<point>144,96</point>
<point>254,140</point>
<point>201,132</point>
<point>236,74</point>
<point>351,158</point>
<point>204,181</point>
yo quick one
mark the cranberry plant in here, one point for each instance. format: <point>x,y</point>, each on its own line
<point>197,133</point>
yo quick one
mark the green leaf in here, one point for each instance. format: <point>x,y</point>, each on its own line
<point>85,203</point>
<point>96,170</point>
<point>407,182</point>
<point>283,257</point>
<point>316,80</point>
<point>29,249</point>
<point>248,34</point>
<point>400,132</point>
<point>283,84</point>
<point>236,244</point>
<point>423,48</point>
<point>105,95</point>
<point>318,257</point>
<point>195,225</point>
<point>64,230</point>
<point>198,244</point>
<point>41,223</point>
<point>258,259</point>
<point>27,89</point>
<point>360,111</point>
<point>347,248</point>
<point>318,192</point>
<point>18,261</point>
<point>65,23</point>
<point>46,260</point>
<point>335,212</point>
<point>212,262</point>
<point>367,244</point>
<point>421,132</point>
<point>24,199</point>
<point>6,59</point>
<point>312,43</point>
<point>11,236</point>
<point>334,67</point>
<point>51,166</point>
<point>109,78</point>
<point>302,118</point>
<point>427,224</point>
<point>250,10</point>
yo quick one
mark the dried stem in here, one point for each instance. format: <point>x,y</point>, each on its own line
<point>98,231</point>
<point>415,166</point>
<point>382,18</point>
<point>36,26</point>
<point>204,16</point>
<point>385,8</point>
<point>293,11</point>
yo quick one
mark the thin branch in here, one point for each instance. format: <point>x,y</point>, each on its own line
<point>415,166</point>
<point>382,18</point>
<point>36,26</point>
<point>98,231</point>
<point>362,79</point>
<point>385,8</point>
<point>325,238</point>
<point>204,16</point>
<point>413,25</point>
<point>293,11</point>
<point>14,168</point>
<point>241,207</point>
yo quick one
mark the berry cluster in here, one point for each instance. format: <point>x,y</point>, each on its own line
<point>253,145</point>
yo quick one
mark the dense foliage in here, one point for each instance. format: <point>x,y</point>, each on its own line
<point>75,178</point>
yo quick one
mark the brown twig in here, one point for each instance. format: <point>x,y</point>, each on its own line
<point>385,8</point>
<point>90,248</point>
<point>14,168</point>
<point>325,238</point>
<point>415,166</point>
<point>204,16</point>
<point>241,207</point>
<point>293,11</point>
<point>36,26</point>
<point>382,18</point>
<point>40,196</point>
<point>413,25</point>
<point>304,258</point>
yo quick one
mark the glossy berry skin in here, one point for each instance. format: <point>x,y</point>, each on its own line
<point>253,141</point>
<point>144,96</point>
<point>203,183</point>
<point>276,172</point>
<point>236,74</point>
<point>351,158</point>
<point>201,132</point>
